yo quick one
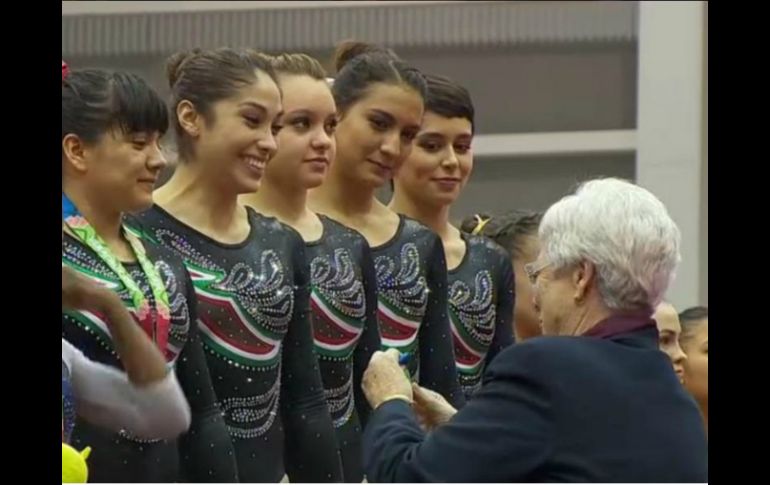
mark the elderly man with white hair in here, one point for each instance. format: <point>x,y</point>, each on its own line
<point>593,400</point>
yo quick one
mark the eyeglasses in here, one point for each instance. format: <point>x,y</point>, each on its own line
<point>534,269</point>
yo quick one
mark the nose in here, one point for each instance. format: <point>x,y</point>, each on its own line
<point>450,161</point>
<point>391,145</point>
<point>268,144</point>
<point>322,140</point>
<point>679,356</point>
<point>156,161</point>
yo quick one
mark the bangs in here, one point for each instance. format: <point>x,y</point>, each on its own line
<point>136,108</point>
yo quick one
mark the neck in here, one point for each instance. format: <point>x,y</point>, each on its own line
<point>339,195</point>
<point>286,202</point>
<point>588,317</point>
<point>199,199</point>
<point>435,217</point>
<point>105,221</point>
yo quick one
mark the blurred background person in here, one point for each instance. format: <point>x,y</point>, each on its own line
<point>669,332</point>
<point>516,232</point>
<point>695,343</point>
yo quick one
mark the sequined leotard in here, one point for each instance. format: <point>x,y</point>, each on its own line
<point>253,300</point>
<point>205,452</point>
<point>412,306</point>
<point>480,308</point>
<point>344,311</point>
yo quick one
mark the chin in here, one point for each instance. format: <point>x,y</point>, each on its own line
<point>247,186</point>
<point>313,181</point>
<point>140,204</point>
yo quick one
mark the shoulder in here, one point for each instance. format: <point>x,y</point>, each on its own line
<point>543,355</point>
<point>489,250</point>
<point>334,229</point>
<point>269,227</point>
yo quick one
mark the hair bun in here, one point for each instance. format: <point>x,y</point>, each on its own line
<point>65,70</point>
<point>175,63</point>
<point>348,50</point>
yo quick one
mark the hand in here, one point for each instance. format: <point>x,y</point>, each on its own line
<point>384,379</point>
<point>81,293</point>
<point>431,408</point>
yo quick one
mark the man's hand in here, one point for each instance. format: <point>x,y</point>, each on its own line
<point>431,408</point>
<point>384,379</point>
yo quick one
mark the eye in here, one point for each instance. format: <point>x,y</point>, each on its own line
<point>462,148</point>
<point>330,127</point>
<point>379,124</point>
<point>301,123</point>
<point>252,121</point>
<point>140,142</point>
<point>276,128</point>
<point>430,146</point>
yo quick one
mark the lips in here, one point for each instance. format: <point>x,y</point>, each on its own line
<point>255,163</point>
<point>380,165</point>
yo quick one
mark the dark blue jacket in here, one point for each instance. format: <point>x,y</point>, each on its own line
<point>602,408</point>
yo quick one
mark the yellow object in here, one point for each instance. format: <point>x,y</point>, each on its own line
<point>73,464</point>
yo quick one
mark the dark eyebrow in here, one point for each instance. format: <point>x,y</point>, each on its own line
<point>431,135</point>
<point>251,104</point>
<point>389,117</point>
<point>299,112</point>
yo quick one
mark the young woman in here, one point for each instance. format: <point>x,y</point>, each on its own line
<point>480,274</point>
<point>343,297</point>
<point>250,271</point>
<point>379,100</point>
<point>111,124</point>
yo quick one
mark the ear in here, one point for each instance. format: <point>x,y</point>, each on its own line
<point>582,278</point>
<point>189,119</point>
<point>75,152</point>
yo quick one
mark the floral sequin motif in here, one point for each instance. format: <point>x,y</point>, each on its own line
<point>338,303</point>
<point>402,298</point>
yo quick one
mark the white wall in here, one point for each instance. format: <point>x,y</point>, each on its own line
<point>672,149</point>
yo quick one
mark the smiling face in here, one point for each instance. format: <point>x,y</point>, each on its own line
<point>376,133</point>
<point>440,164</point>
<point>120,170</point>
<point>236,140</point>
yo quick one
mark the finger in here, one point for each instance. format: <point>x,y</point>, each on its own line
<point>393,354</point>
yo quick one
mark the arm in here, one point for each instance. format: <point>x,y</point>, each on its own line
<point>370,339</point>
<point>206,451</point>
<point>502,435</point>
<point>310,446</point>
<point>504,311</point>
<point>143,362</point>
<point>437,363</point>
<point>106,397</point>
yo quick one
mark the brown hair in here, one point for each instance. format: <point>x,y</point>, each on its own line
<point>508,230</point>
<point>204,77</point>
<point>359,65</point>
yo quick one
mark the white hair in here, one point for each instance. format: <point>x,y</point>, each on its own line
<point>625,231</point>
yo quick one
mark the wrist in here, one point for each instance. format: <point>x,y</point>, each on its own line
<point>395,397</point>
